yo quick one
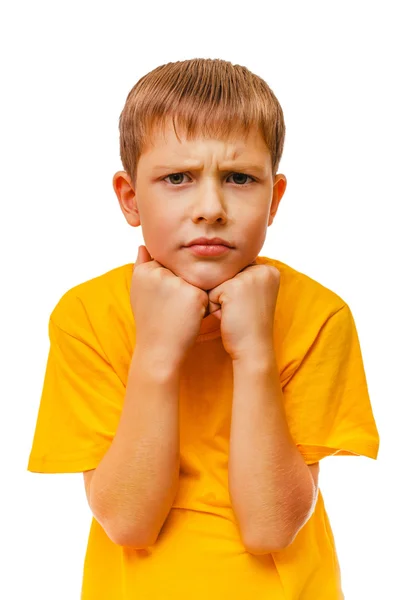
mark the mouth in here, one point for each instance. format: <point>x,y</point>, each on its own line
<point>204,246</point>
<point>209,249</point>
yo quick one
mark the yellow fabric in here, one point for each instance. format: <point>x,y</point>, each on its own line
<point>199,553</point>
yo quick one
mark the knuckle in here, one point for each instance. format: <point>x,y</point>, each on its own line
<point>275,272</point>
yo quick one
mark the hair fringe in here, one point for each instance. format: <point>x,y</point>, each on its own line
<point>205,97</point>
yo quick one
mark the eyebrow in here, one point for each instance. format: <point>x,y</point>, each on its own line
<point>242,166</point>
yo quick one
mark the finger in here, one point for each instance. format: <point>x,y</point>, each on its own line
<point>214,308</point>
<point>248,266</point>
<point>143,256</point>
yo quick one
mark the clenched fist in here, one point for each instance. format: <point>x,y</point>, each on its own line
<point>168,311</point>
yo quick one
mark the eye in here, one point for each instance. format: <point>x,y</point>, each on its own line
<point>173,175</point>
<point>241,175</point>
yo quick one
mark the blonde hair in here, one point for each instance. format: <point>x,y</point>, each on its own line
<point>206,97</point>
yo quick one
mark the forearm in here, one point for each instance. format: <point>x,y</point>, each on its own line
<point>270,485</point>
<point>135,484</point>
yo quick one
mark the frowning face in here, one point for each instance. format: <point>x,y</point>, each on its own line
<point>202,188</point>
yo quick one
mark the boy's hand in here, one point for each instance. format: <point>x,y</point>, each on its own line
<point>246,306</point>
<point>168,311</point>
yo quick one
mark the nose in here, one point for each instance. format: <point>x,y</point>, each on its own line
<point>209,205</point>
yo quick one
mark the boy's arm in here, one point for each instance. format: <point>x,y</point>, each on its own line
<point>273,492</point>
<point>134,485</point>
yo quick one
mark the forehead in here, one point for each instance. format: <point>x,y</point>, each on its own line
<point>164,139</point>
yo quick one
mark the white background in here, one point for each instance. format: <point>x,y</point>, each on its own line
<point>66,70</point>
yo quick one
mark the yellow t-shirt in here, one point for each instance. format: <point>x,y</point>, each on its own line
<point>199,553</point>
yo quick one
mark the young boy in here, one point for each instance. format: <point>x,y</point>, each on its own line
<point>199,388</point>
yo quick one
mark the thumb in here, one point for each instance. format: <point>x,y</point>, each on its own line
<point>143,256</point>
<point>214,309</point>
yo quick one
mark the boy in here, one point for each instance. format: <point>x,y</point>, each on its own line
<point>199,388</point>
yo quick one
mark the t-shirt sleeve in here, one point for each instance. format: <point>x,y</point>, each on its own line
<point>80,404</point>
<point>327,403</point>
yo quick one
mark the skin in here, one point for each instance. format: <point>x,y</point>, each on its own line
<point>217,198</point>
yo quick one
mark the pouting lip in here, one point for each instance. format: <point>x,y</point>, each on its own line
<point>209,241</point>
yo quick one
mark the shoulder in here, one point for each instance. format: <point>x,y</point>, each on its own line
<point>302,300</point>
<point>305,308</point>
<point>302,288</point>
<point>94,299</point>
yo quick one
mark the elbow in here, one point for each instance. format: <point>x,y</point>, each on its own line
<point>259,546</point>
<point>133,538</point>
<point>121,535</point>
<point>260,541</point>
<point>285,531</point>
<point>134,542</point>
<point>267,544</point>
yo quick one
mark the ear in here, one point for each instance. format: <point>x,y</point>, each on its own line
<point>126,195</point>
<point>277,193</point>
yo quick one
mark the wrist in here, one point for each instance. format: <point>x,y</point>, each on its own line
<point>257,358</point>
<point>156,364</point>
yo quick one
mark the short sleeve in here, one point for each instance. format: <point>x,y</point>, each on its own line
<point>326,398</point>
<point>80,405</point>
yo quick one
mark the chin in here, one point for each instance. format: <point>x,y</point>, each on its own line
<point>208,280</point>
<point>206,274</point>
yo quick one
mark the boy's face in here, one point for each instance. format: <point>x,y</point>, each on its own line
<point>202,188</point>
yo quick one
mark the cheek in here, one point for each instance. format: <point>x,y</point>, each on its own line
<point>160,231</point>
<point>256,225</point>
<point>253,231</point>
